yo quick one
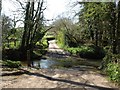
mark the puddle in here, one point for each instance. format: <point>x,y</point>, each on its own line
<point>43,63</point>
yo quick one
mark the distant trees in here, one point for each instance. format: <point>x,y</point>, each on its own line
<point>67,32</point>
<point>101,23</point>
<point>10,33</point>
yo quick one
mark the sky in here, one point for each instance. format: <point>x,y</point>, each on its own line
<point>54,8</point>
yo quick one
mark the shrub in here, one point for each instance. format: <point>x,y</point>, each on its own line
<point>11,64</point>
<point>73,50</point>
<point>111,66</point>
<point>91,52</point>
<point>11,54</point>
<point>113,71</point>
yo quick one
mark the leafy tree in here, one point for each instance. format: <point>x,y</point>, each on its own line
<point>33,26</point>
<point>6,29</point>
<point>118,27</point>
<point>100,21</point>
<point>68,31</point>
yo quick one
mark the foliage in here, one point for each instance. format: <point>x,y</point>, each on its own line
<point>6,29</point>
<point>60,39</point>
<point>41,47</point>
<point>67,32</point>
<point>111,65</point>
<point>11,54</point>
<point>73,50</point>
<point>92,52</point>
<point>34,28</point>
<point>113,71</point>
<point>87,51</point>
<point>38,53</point>
<point>11,64</point>
<point>101,23</point>
<point>44,43</point>
<point>49,36</point>
<point>11,36</point>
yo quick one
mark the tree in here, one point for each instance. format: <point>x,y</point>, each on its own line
<point>6,29</point>
<point>101,23</point>
<point>0,27</point>
<point>0,6</point>
<point>118,27</point>
<point>33,26</point>
<point>69,32</point>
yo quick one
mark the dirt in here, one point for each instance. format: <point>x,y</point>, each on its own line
<point>55,78</point>
<point>84,79</point>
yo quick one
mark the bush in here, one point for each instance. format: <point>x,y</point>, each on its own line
<point>113,71</point>
<point>73,50</point>
<point>11,54</point>
<point>91,52</point>
<point>42,44</point>
<point>111,66</point>
<point>11,64</point>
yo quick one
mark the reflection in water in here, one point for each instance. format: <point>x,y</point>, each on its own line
<point>43,63</point>
<point>70,62</point>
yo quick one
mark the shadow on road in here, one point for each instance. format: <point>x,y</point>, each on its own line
<point>56,79</point>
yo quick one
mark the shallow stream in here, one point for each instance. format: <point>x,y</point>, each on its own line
<point>69,62</point>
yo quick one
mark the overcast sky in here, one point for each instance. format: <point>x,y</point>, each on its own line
<point>54,8</point>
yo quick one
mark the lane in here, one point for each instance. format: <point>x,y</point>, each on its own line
<point>58,78</point>
<point>86,79</point>
<point>53,47</point>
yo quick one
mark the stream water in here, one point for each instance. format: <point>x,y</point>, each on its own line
<point>43,63</point>
<point>57,58</point>
<point>68,62</point>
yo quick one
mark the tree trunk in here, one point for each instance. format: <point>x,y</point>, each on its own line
<point>113,23</point>
<point>0,6</point>
<point>96,37</point>
<point>118,27</point>
<point>32,28</point>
